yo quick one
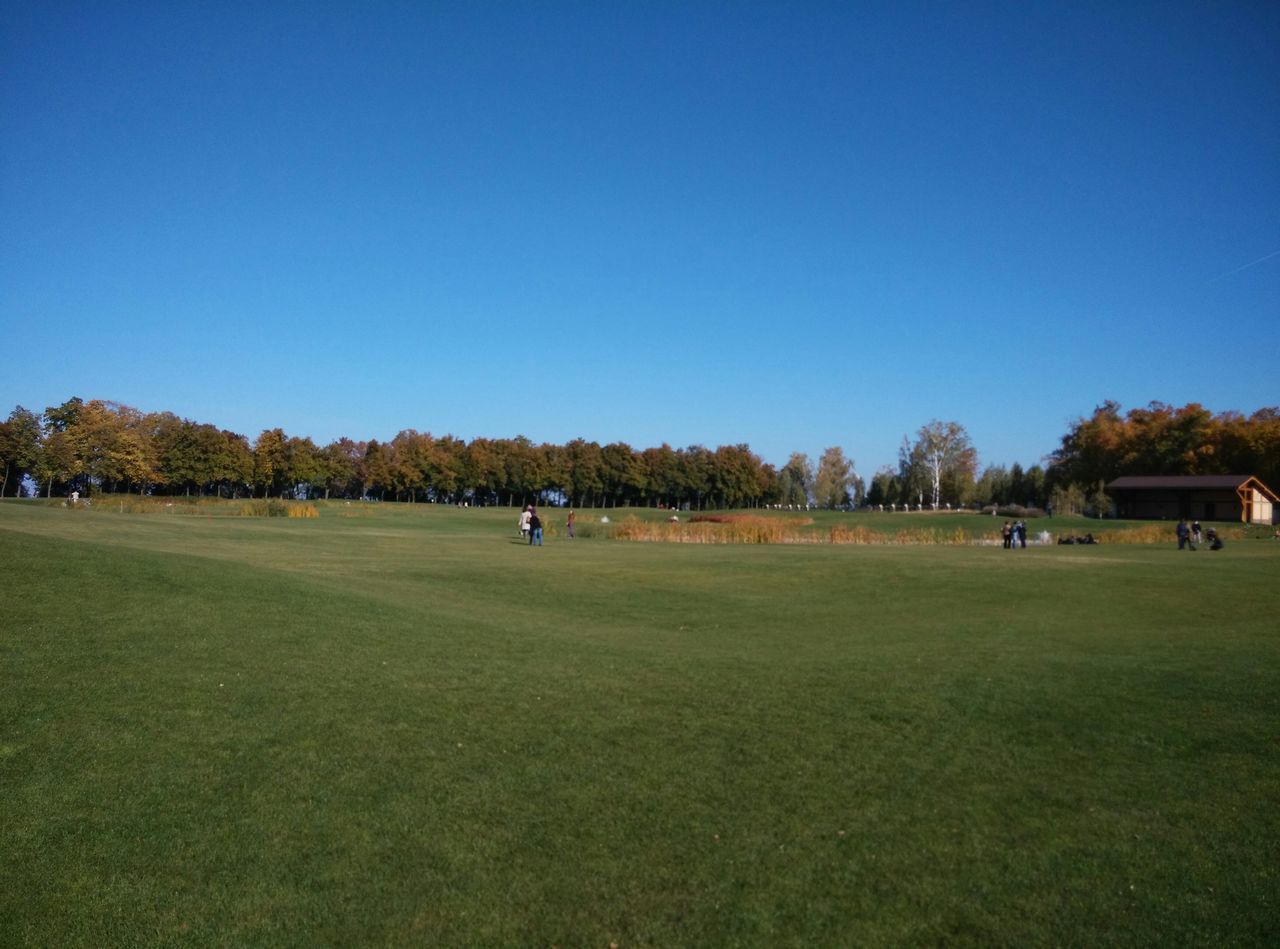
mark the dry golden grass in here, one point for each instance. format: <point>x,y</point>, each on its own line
<point>1161,533</point>
<point>753,529</point>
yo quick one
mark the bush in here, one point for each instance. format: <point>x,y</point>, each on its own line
<point>1012,510</point>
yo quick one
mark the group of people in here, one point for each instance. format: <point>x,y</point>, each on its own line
<point>1189,535</point>
<point>531,526</point>
<point>1014,535</point>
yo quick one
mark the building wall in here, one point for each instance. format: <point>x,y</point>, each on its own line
<point>1261,511</point>
<point>1204,505</point>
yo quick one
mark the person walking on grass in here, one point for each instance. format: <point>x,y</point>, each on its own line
<point>1184,535</point>
<point>535,528</point>
<point>523,523</point>
<point>568,525</point>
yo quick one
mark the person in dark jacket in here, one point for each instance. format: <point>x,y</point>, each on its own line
<point>535,528</point>
<point>1184,535</point>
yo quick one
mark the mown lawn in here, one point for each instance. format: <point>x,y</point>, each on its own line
<point>397,725</point>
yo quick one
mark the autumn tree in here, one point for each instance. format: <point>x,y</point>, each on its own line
<point>377,468</point>
<point>54,462</point>
<point>341,459</point>
<point>110,446</point>
<point>270,462</point>
<point>483,469</point>
<point>663,474</point>
<point>1160,439</point>
<point>834,480</point>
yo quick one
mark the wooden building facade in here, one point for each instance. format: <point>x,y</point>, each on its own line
<point>1195,497</point>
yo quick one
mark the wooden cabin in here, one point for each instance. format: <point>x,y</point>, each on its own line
<point>1196,497</point>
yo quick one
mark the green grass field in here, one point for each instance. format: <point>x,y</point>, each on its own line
<point>397,725</point>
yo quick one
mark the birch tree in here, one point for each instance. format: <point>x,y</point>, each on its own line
<point>944,448</point>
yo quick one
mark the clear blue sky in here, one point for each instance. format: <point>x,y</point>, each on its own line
<point>794,225</point>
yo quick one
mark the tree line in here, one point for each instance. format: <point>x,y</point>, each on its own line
<point>1160,439</point>
<point>1157,439</point>
<point>106,446</point>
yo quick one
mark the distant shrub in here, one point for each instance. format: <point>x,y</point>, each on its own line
<point>1012,510</point>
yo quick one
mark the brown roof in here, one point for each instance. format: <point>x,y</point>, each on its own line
<point>1190,483</point>
<point>1179,481</point>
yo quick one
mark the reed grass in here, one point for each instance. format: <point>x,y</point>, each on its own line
<point>750,529</point>
<point>958,530</point>
<point>192,507</point>
<point>1162,533</point>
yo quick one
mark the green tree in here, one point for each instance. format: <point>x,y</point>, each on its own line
<point>1067,499</point>
<point>993,487</point>
<point>944,450</point>
<point>1033,487</point>
<point>662,474</point>
<point>698,465</point>
<point>795,480</point>
<point>885,487</point>
<point>60,418</point>
<point>1099,502</point>
<point>622,473</point>
<point>20,438</point>
<point>303,465</point>
<point>182,460</point>
<point>230,459</point>
<point>736,476</point>
<point>913,473</point>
